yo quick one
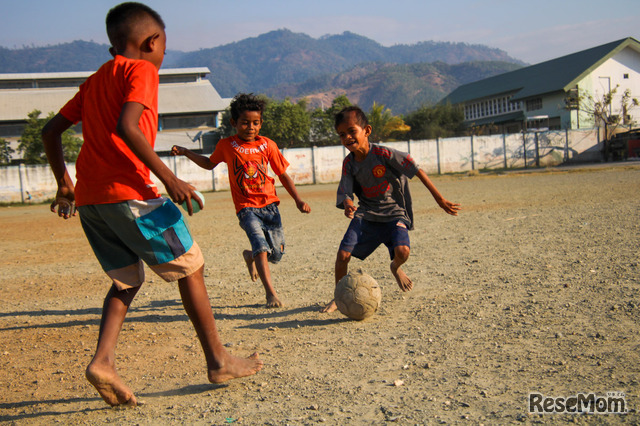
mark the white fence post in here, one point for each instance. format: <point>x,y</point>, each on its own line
<point>473,164</point>
<point>21,171</point>
<point>438,155</point>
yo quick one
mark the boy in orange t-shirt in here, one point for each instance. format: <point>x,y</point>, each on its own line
<point>124,218</point>
<point>248,156</point>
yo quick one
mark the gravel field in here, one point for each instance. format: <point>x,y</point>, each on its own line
<point>533,288</point>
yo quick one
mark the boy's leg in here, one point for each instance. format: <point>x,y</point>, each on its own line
<point>263,227</point>
<point>251,265</point>
<point>399,248</point>
<point>401,254</point>
<point>101,371</point>
<point>262,266</point>
<point>341,269</point>
<point>259,267</point>
<point>220,364</point>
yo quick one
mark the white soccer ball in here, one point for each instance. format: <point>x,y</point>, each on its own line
<point>357,295</point>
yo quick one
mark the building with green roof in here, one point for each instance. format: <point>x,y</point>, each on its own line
<point>549,95</point>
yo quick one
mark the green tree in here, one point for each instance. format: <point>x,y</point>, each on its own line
<point>384,125</point>
<point>6,152</point>
<point>32,147</point>
<point>323,132</point>
<point>225,129</point>
<point>286,123</point>
<point>439,121</point>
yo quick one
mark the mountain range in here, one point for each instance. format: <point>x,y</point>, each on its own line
<point>283,64</point>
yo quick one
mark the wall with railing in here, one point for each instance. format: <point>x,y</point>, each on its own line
<point>35,183</point>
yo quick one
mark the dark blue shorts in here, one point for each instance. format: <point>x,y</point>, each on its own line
<point>363,237</point>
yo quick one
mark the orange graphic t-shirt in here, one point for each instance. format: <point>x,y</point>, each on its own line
<point>248,163</point>
<point>107,171</point>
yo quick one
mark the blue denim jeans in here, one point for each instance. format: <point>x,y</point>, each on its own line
<point>264,229</point>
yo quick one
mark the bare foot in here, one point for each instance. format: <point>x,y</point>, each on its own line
<point>273,301</point>
<point>251,265</point>
<point>109,385</point>
<point>331,306</point>
<point>234,368</point>
<point>404,282</point>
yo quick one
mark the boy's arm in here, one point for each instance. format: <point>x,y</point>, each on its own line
<point>52,140</point>
<point>288,184</point>
<point>447,206</point>
<point>201,160</point>
<point>345,194</point>
<point>128,130</point>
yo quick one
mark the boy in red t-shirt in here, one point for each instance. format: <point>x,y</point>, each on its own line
<point>124,218</point>
<point>248,156</point>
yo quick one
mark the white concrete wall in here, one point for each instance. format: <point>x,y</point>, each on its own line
<point>324,164</point>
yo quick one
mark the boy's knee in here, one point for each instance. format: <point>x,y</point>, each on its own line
<point>343,256</point>
<point>402,252</point>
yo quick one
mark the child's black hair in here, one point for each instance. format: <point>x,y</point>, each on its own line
<point>246,102</point>
<point>361,117</point>
<point>122,18</point>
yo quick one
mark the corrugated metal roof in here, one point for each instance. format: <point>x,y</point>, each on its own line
<point>557,74</point>
<point>173,98</point>
<point>85,74</point>
<point>15,105</point>
<point>180,71</point>
<point>179,98</point>
<point>167,139</point>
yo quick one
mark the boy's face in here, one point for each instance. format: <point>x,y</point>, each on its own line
<point>352,136</point>
<point>248,125</point>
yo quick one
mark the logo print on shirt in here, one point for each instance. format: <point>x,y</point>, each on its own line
<point>379,170</point>
<point>250,176</point>
<point>250,170</point>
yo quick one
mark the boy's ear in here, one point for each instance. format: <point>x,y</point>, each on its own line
<point>112,51</point>
<point>367,130</point>
<point>149,43</point>
<point>233,122</point>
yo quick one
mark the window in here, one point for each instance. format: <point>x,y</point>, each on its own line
<point>534,104</point>
<point>625,76</point>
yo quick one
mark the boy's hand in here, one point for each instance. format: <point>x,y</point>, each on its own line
<point>65,202</point>
<point>449,207</point>
<point>178,150</point>
<point>303,207</point>
<point>349,210</point>
<point>180,191</point>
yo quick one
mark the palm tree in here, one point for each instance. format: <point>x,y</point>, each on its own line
<point>384,124</point>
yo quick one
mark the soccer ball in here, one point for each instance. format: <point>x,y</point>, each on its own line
<point>357,295</point>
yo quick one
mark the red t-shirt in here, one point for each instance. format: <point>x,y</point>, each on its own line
<point>107,171</point>
<point>247,162</point>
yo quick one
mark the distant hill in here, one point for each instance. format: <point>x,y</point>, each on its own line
<point>283,63</point>
<point>401,87</point>
<point>75,56</point>
<point>280,57</point>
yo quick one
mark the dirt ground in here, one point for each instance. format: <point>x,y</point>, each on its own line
<point>535,287</point>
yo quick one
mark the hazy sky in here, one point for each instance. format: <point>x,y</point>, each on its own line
<point>533,31</point>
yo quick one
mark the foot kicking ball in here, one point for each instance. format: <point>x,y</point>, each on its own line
<point>357,295</point>
<point>194,203</point>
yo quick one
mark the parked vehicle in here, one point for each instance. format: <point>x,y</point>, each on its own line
<point>621,146</point>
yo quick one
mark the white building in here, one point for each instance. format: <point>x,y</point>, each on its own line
<point>188,105</point>
<point>536,96</point>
